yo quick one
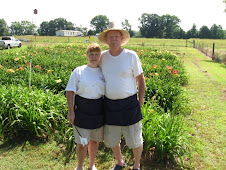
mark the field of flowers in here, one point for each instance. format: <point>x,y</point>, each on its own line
<point>40,110</point>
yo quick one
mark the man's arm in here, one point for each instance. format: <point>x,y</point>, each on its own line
<point>141,88</point>
<point>70,102</point>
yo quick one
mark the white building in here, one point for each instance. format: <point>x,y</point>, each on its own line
<point>67,33</point>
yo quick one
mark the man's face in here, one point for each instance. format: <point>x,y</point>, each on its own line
<point>114,39</point>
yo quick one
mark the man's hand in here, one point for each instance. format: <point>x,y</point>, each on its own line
<point>141,88</point>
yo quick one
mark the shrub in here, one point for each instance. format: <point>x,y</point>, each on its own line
<point>30,112</point>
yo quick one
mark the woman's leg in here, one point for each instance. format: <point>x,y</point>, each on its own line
<point>92,149</point>
<point>81,155</point>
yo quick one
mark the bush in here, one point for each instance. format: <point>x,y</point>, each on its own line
<point>31,112</point>
<point>164,133</point>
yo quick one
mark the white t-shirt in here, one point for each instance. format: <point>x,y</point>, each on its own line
<point>87,82</point>
<point>120,73</point>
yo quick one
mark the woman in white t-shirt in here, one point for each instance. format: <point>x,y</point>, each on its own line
<point>84,91</point>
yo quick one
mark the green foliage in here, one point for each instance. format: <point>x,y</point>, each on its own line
<point>22,28</point>
<point>163,132</point>
<point>30,112</point>
<point>48,66</point>
<point>4,30</point>
<point>164,75</point>
<point>50,28</point>
<point>155,26</point>
<point>99,23</point>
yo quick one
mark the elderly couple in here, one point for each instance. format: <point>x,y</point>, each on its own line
<point>114,74</point>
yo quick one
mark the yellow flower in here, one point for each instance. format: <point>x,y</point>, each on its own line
<point>10,70</point>
<point>152,110</point>
<point>16,59</point>
<point>58,81</point>
<point>49,71</point>
<point>156,74</point>
<point>1,66</point>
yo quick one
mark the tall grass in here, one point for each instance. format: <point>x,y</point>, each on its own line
<point>29,112</point>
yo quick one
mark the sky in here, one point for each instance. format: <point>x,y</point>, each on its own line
<point>199,12</point>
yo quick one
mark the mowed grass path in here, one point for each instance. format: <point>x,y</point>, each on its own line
<point>206,125</point>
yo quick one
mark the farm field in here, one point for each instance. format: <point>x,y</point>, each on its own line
<point>205,90</point>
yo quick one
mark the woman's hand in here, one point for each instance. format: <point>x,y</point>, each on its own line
<point>71,117</point>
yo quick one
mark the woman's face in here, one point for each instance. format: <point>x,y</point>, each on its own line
<point>93,58</point>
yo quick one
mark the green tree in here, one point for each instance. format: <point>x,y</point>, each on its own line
<point>151,26</point>
<point>126,25</point>
<point>4,30</point>
<point>179,33</point>
<point>193,32</point>
<point>99,23</point>
<point>22,28</point>
<point>44,28</point>
<point>82,29</point>
<point>59,24</point>
<point>16,28</point>
<point>170,25</point>
<point>28,28</point>
<point>217,32</point>
<point>204,32</point>
<point>91,32</point>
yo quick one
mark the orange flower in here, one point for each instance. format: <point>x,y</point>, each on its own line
<point>175,72</point>
<point>155,66</point>
<point>38,67</point>
<point>21,68</point>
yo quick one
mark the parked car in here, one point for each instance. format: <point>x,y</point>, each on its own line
<point>9,42</point>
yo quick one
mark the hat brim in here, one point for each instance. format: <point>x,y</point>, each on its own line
<point>125,35</point>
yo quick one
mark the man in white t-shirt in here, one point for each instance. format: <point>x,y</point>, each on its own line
<point>122,71</point>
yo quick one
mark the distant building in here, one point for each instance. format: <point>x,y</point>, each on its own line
<point>67,33</point>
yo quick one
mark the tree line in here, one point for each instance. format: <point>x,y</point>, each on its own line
<point>151,26</point>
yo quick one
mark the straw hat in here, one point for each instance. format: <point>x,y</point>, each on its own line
<point>112,27</point>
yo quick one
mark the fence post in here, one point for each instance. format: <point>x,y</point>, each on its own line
<point>193,43</point>
<point>186,43</point>
<point>213,51</point>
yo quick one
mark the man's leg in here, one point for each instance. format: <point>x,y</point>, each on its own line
<point>81,155</point>
<point>92,149</point>
<point>137,156</point>
<point>118,155</point>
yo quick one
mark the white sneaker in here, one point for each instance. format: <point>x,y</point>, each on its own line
<point>94,168</point>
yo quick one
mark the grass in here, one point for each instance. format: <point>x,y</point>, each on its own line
<point>206,125</point>
<point>33,155</point>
